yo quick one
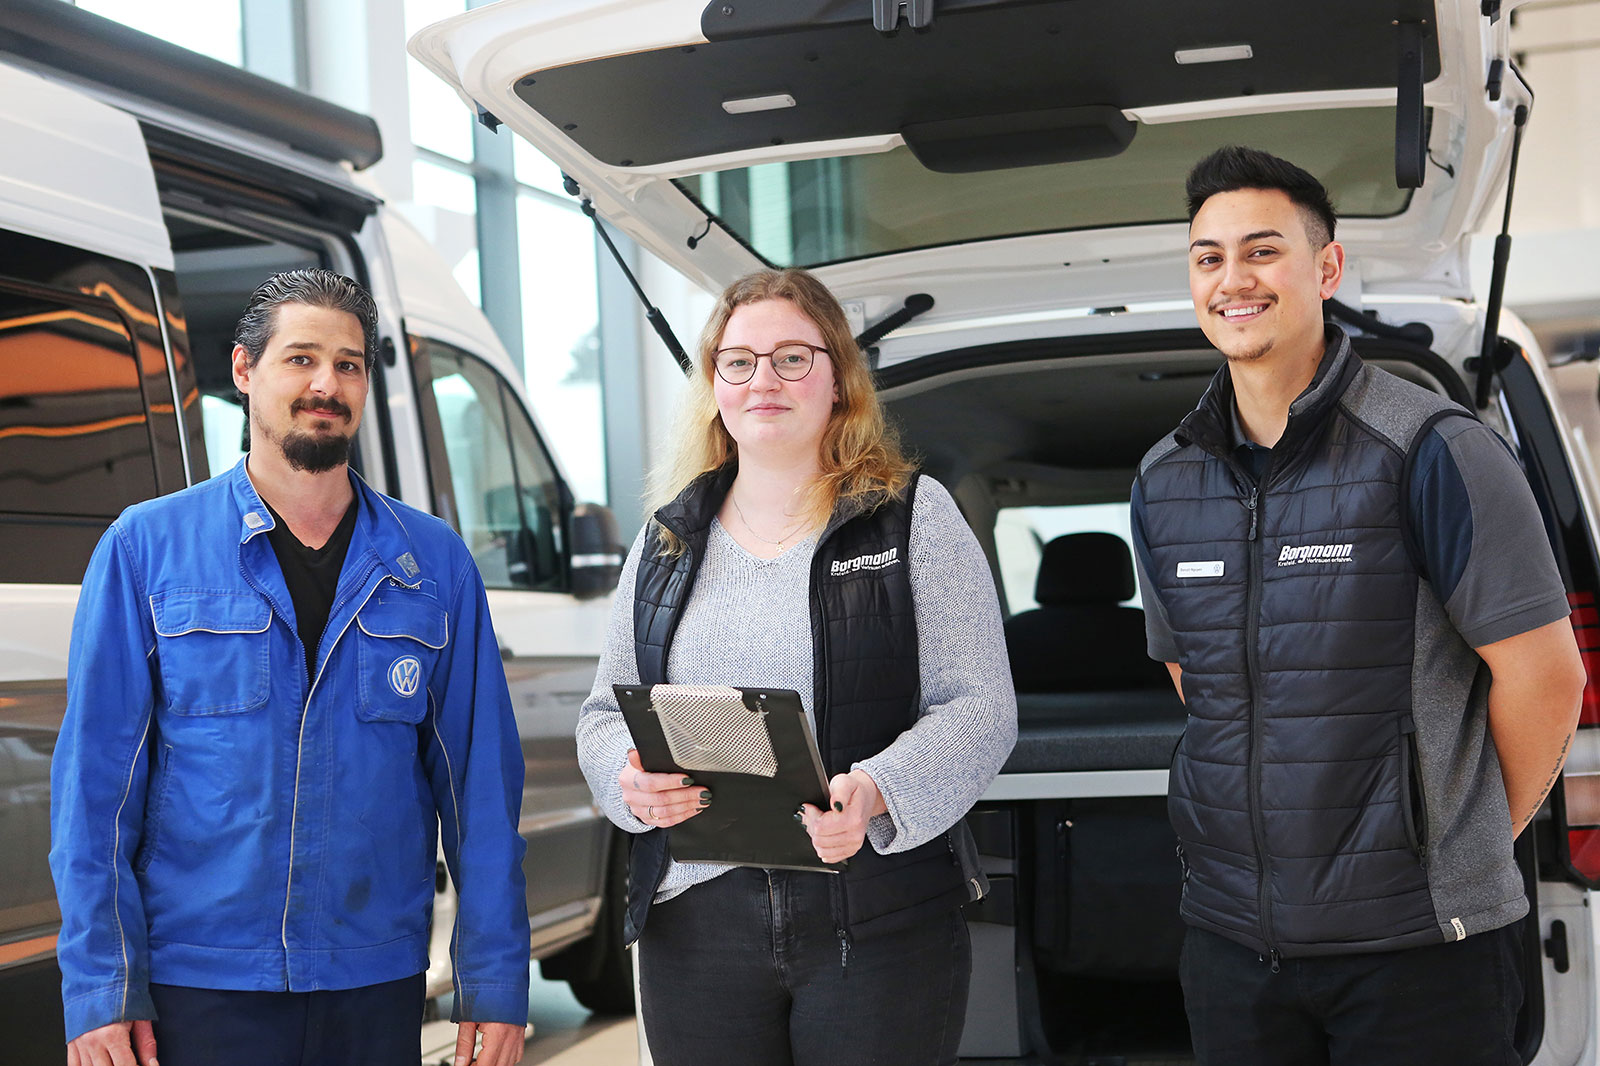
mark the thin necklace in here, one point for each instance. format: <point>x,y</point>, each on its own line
<point>751,530</point>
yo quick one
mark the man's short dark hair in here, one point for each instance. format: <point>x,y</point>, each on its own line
<point>315,288</point>
<point>1235,167</point>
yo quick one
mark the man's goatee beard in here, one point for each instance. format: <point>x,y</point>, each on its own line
<point>315,454</point>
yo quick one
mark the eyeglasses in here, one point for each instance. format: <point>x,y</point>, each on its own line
<point>791,361</point>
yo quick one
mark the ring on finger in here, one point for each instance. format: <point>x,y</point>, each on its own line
<point>652,811</point>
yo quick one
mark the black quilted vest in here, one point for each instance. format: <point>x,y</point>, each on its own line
<point>867,689</point>
<point>1293,607</point>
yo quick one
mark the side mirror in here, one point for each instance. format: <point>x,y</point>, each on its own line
<point>597,551</point>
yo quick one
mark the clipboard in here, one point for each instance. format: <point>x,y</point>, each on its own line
<point>754,749</point>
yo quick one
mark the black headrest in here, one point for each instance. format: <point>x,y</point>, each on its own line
<point>1085,568</point>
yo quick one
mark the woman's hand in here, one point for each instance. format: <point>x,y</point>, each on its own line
<point>660,800</point>
<point>839,833</point>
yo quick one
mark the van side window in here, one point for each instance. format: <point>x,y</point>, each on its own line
<point>75,438</point>
<point>506,492</point>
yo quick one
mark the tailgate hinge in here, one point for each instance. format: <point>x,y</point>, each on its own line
<point>886,14</point>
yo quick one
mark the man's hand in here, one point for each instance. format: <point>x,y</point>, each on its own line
<point>660,800</point>
<point>502,1043</point>
<point>839,833</point>
<point>117,1044</point>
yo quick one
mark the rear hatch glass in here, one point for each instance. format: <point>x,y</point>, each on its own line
<point>818,211</point>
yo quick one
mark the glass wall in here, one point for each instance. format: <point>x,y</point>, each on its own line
<point>210,27</point>
<point>561,336</point>
<point>552,253</point>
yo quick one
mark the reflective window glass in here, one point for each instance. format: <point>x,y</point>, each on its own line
<point>507,496</point>
<point>74,438</point>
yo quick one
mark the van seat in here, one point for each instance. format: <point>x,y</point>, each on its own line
<point>1080,637</point>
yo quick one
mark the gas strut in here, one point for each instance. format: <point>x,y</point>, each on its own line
<point>652,313</point>
<point>1496,355</point>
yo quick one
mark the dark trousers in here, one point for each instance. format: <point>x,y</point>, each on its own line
<point>1454,1004</point>
<point>376,1025</point>
<point>746,969</point>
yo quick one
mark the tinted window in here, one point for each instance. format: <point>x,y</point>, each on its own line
<point>507,496</point>
<point>74,437</point>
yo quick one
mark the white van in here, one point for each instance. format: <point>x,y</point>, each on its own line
<point>1008,174</point>
<point>144,192</point>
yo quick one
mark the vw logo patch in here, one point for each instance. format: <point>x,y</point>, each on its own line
<point>404,675</point>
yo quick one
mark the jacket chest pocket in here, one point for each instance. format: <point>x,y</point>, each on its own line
<point>400,633</point>
<point>213,648</point>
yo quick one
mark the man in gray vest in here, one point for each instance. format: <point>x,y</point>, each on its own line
<point>1349,580</point>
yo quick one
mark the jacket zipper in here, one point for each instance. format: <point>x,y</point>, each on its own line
<point>294,809</point>
<point>1252,635</point>
<point>841,924</point>
<point>841,921</point>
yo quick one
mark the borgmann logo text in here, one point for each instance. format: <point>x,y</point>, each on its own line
<point>866,562</point>
<point>1315,553</point>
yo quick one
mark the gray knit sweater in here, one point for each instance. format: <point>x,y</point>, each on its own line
<point>747,622</point>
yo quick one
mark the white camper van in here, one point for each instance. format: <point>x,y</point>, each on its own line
<point>1002,182</point>
<point>144,193</point>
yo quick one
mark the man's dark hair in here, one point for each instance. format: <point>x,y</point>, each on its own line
<point>1235,167</point>
<point>315,288</point>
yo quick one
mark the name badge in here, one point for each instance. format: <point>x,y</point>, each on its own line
<point>1210,568</point>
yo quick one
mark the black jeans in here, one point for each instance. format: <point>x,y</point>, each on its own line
<point>376,1025</point>
<point>746,969</point>
<point>1454,1004</point>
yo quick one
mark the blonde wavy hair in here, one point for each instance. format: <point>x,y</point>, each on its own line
<point>860,451</point>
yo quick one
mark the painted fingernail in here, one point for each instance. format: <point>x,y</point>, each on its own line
<point>688,781</point>
<point>799,816</point>
<point>705,796</point>
<point>838,806</point>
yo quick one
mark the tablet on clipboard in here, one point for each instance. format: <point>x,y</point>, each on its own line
<point>754,749</point>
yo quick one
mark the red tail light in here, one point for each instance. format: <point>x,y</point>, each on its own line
<point>1580,781</point>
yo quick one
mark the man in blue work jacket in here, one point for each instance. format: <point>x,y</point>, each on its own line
<point>282,684</point>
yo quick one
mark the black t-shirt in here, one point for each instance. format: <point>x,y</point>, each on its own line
<point>312,575</point>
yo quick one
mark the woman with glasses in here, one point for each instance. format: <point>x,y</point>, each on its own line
<point>794,547</point>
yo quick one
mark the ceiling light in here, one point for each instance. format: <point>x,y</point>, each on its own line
<point>1207,55</point>
<point>758,103</point>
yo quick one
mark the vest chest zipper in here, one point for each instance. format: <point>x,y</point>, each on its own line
<point>1253,679</point>
<point>841,920</point>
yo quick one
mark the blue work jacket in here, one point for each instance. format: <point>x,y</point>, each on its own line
<point>220,819</point>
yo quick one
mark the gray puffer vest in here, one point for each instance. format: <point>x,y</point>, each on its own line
<point>1295,791</point>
